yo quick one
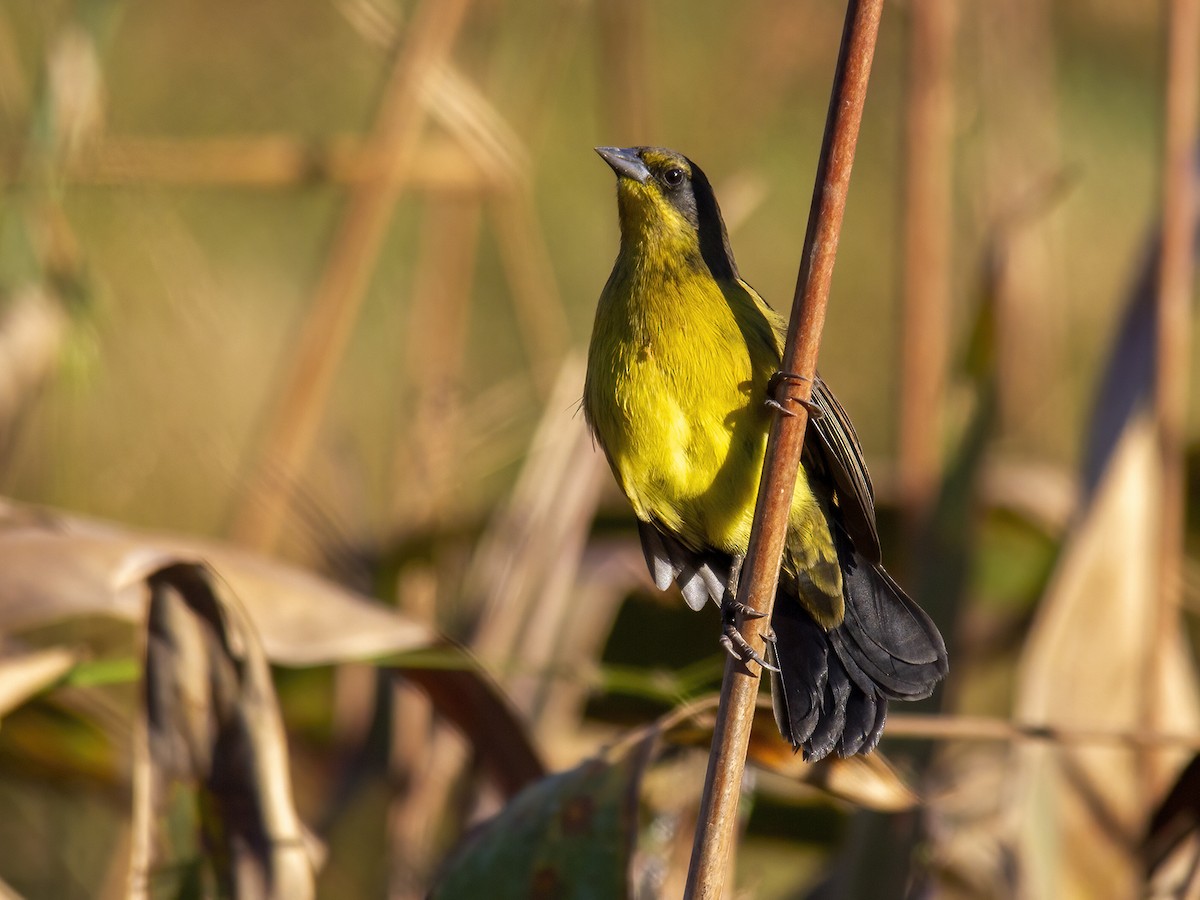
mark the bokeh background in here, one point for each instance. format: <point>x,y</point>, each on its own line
<point>315,279</point>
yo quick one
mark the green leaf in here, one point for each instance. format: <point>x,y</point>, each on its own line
<point>569,836</point>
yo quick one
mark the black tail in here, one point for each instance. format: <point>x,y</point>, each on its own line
<point>833,686</point>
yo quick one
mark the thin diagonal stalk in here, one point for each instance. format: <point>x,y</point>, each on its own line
<point>1176,270</point>
<point>338,296</point>
<point>739,690</point>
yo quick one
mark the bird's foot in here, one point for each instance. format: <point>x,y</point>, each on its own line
<point>778,380</point>
<point>731,638</point>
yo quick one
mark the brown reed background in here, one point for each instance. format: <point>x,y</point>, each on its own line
<point>314,279</point>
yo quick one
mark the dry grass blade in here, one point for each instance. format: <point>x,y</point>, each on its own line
<point>24,673</point>
<point>33,326</point>
<point>212,720</point>
<point>868,782</point>
<point>553,499</point>
<point>492,144</point>
<point>496,148</point>
<point>1085,666</point>
<point>523,575</point>
<point>540,313</point>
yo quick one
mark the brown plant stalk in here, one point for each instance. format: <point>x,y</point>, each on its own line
<point>928,201</point>
<point>739,689</point>
<point>1176,272</point>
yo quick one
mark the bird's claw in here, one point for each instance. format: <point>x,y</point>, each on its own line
<point>737,647</point>
<point>778,380</point>
<point>732,608</point>
<point>731,638</point>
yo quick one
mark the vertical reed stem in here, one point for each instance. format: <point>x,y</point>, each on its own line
<point>739,690</point>
<point>928,151</point>
<point>1175,280</point>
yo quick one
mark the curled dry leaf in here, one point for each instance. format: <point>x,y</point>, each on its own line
<point>215,617</point>
<point>1076,812</point>
<point>212,726</point>
<point>55,567</point>
<point>870,782</point>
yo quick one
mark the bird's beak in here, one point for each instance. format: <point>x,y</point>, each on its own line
<point>626,163</point>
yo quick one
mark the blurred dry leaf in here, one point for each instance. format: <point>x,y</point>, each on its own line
<point>1076,811</point>
<point>473,703</point>
<point>870,782</point>
<point>212,729</point>
<point>55,567</point>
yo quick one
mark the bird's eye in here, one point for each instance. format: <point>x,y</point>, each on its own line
<point>673,177</point>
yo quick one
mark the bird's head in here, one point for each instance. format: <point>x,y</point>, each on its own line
<point>668,210</point>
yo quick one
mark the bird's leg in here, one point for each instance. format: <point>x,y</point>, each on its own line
<point>778,380</point>
<point>730,598</point>
<point>731,638</point>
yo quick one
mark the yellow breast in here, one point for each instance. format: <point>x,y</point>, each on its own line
<point>675,394</point>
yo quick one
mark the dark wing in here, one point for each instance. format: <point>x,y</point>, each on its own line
<point>833,441</point>
<point>832,447</point>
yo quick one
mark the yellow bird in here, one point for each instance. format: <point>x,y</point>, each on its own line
<point>681,377</point>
